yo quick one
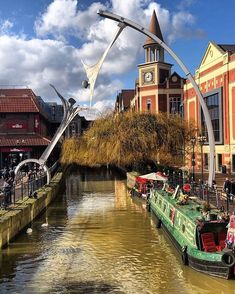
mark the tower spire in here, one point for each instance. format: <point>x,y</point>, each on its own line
<point>155,29</point>
<point>153,51</point>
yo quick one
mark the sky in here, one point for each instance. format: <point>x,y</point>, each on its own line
<point>42,42</point>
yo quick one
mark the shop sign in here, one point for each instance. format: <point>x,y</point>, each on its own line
<point>9,150</point>
<point>17,126</point>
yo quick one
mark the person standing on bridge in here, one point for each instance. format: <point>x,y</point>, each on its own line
<point>6,192</point>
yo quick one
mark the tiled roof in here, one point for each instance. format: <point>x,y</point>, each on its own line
<point>23,140</point>
<point>229,48</point>
<point>18,100</point>
<point>154,28</point>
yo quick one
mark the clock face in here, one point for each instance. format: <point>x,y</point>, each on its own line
<point>148,76</point>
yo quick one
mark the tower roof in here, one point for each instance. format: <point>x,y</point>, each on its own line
<point>154,28</point>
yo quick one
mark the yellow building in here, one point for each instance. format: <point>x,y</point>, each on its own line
<point>216,79</point>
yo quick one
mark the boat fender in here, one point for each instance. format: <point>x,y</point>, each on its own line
<point>158,224</point>
<point>228,259</point>
<point>184,255</point>
<point>148,206</point>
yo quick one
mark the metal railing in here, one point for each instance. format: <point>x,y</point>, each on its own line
<point>26,185</point>
<point>215,196</point>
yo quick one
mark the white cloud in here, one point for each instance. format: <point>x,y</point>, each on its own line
<point>102,92</point>
<point>62,18</point>
<point>185,4</point>
<point>41,61</point>
<point>5,27</point>
<point>37,62</point>
<point>180,27</point>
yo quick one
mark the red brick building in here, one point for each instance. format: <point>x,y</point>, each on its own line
<point>24,126</point>
<point>123,100</point>
<point>157,88</point>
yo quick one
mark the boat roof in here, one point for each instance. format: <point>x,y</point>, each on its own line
<point>191,210</point>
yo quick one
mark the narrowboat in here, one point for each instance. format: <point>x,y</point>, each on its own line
<point>201,238</point>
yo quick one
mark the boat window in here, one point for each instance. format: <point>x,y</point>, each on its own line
<point>160,202</point>
<point>183,228</point>
<point>179,220</point>
<point>164,207</point>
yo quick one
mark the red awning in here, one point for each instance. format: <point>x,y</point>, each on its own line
<point>140,180</point>
<point>15,150</point>
<point>22,141</point>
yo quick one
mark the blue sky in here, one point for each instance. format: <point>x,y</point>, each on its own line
<point>43,41</point>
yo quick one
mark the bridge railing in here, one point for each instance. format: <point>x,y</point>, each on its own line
<point>27,187</point>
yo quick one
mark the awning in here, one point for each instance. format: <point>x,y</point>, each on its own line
<point>20,141</point>
<point>154,176</point>
<point>15,150</point>
<point>141,180</point>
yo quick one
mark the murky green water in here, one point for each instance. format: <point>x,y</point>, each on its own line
<point>99,240</point>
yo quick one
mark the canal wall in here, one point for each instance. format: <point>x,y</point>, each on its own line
<point>19,216</point>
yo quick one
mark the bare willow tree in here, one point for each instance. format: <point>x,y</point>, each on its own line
<point>130,138</point>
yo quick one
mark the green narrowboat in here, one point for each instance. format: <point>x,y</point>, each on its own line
<point>200,241</point>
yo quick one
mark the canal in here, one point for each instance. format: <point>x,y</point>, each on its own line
<point>94,238</point>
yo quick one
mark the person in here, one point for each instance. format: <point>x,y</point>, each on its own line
<point>232,190</point>
<point>6,193</point>
<point>2,199</point>
<point>149,187</point>
<point>230,238</point>
<point>12,174</point>
<point>214,186</point>
<point>30,175</point>
<point>6,173</point>
<point>227,186</point>
<point>187,188</point>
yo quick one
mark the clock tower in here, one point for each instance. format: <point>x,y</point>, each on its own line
<point>153,91</point>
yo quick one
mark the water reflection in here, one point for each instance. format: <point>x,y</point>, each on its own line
<point>99,240</point>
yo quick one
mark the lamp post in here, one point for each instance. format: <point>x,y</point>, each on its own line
<point>202,140</point>
<point>193,141</point>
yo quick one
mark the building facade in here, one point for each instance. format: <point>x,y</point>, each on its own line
<point>23,126</point>
<point>216,80</point>
<point>27,125</point>
<point>157,89</point>
<point>123,100</point>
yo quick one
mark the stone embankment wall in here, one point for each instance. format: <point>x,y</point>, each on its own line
<point>26,210</point>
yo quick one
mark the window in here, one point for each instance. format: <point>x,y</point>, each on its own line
<point>219,161</point>
<point>233,163</point>
<point>213,102</point>
<point>206,160</point>
<point>175,105</point>
<point>164,207</point>
<point>163,75</point>
<point>148,104</point>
